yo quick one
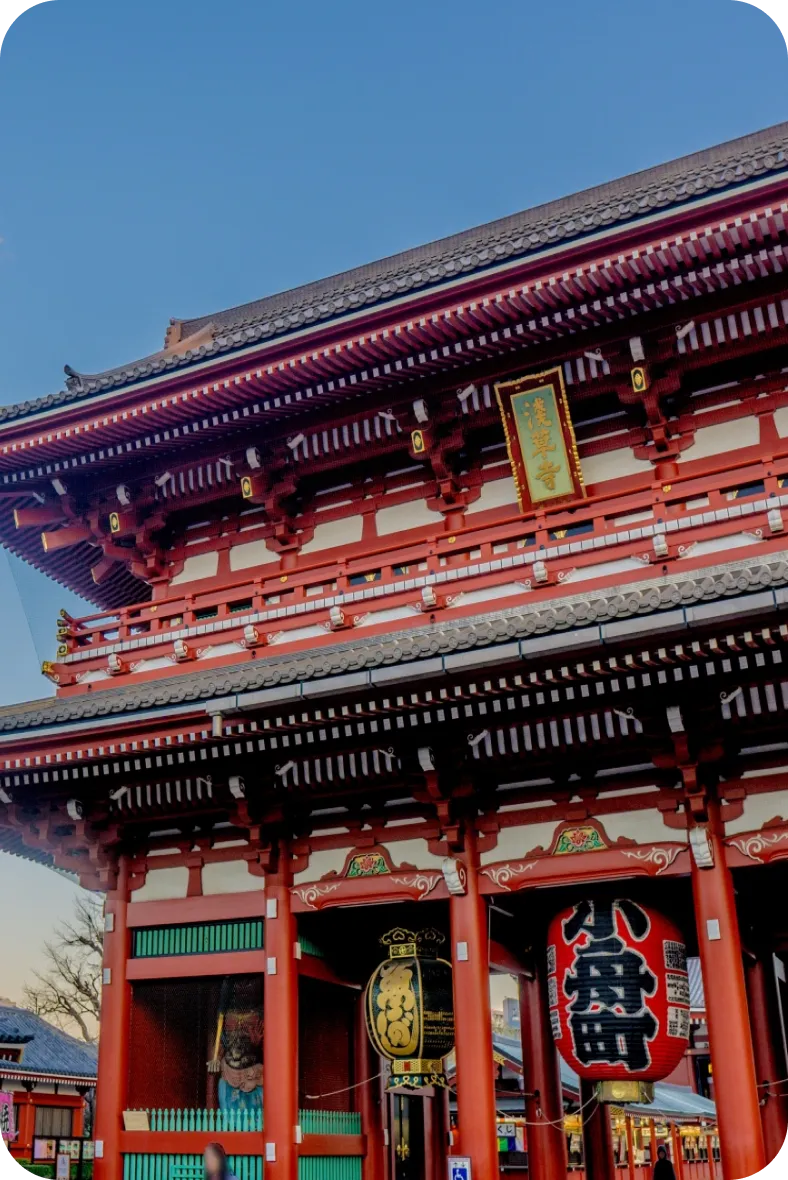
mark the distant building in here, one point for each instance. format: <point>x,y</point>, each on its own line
<point>51,1075</point>
<point>511,1012</point>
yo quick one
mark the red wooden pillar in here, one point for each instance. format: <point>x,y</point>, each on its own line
<point>280,1030</point>
<point>368,1098</point>
<point>678,1154</point>
<point>652,1142</point>
<point>630,1148</point>
<point>113,1054</point>
<point>544,1107</point>
<point>440,1132</point>
<point>473,1022</point>
<point>598,1155</point>
<point>23,1146</point>
<point>434,1138</point>
<point>735,1091</point>
<point>769,1062</point>
<point>78,1121</point>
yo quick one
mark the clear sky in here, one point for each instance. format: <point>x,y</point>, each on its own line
<point>170,159</point>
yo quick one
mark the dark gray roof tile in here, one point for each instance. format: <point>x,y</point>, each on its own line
<point>735,579</point>
<point>47,1049</point>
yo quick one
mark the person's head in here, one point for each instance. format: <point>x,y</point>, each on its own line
<point>662,1153</point>
<point>215,1160</point>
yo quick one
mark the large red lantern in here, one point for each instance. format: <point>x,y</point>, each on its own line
<point>618,991</point>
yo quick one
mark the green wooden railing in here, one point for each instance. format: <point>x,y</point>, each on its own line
<point>205,938</point>
<point>329,1122</point>
<point>205,1120</point>
<point>198,939</point>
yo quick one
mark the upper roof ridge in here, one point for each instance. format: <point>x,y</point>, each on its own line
<point>570,218</point>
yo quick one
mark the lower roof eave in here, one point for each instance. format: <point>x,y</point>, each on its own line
<point>22,1075</point>
<point>646,609</point>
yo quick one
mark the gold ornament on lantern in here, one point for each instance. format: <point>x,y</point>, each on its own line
<point>409,1008</point>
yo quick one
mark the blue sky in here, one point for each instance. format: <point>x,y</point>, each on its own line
<point>172,158</point>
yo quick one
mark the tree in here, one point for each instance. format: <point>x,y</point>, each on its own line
<point>69,989</point>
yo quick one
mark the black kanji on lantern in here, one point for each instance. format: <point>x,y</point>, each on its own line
<point>609,1020</point>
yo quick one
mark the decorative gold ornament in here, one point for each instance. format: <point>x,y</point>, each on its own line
<point>639,377</point>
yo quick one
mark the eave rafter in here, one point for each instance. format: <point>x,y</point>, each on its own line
<point>598,730</point>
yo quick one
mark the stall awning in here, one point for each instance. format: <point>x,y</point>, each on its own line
<point>676,1102</point>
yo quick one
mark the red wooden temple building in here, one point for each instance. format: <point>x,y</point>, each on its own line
<point>422,605</point>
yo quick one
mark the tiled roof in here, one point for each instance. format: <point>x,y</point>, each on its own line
<point>597,210</point>
<point>47,1049</point>
<point>675,1101</point>
<point>189,692</point>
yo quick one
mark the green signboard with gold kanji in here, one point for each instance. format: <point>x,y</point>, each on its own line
<point>540,438</point>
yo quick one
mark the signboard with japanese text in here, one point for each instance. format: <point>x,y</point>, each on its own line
<point>618,990</point>
<point>540,439</point>
<point>7,1128</point>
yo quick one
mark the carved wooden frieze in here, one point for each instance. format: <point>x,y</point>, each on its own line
<point>581,851</point>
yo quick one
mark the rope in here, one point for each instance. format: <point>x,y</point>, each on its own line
<point>560,1122</point>
<point>344,1089</point>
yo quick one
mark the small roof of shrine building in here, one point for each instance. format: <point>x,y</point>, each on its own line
<point>47,1053</point>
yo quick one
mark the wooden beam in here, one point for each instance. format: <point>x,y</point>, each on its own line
<point>65,538</point>
<point>506,962</point>
<point>188,910</point>
<point>28,518</point>
<point>234,1143</point>
<point>194,966</point>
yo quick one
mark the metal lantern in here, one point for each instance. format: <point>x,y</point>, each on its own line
<point>409,1008</point>
<point>618,991</point>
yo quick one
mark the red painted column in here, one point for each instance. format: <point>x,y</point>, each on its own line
<point>735,1092</point>
<point>113,1054</point>
<point>678,1154</point>
<point>473,1023</point>
<point>769,1064</point>
<point>439,1133</point>
<point>600,1163</point>
<point>23,1146</point>
<point>78,1123</point>
<point>630,1148</point>
<point>544,1105</point>
<point>368,1100</point>
<point>280,1035</point>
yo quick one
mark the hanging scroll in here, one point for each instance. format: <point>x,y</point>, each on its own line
<point>540,438</point>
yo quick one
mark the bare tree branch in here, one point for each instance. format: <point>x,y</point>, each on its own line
<point>69,988</point>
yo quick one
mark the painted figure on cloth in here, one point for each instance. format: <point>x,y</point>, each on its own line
<point>238,1046</point>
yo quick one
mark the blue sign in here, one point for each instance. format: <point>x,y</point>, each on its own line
<point>459,1168</point>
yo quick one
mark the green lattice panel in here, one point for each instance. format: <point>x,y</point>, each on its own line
<point>198,939</point>
<point>186,1167</point>
<point>329,1167</point>
<point>205,938</point>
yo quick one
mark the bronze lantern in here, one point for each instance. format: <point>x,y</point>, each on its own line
<point>409,1008</point>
